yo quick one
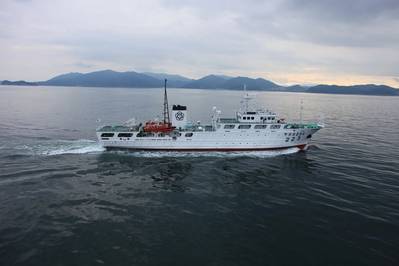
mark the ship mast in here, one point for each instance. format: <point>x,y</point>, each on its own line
<point>246,99</point>
<point>166,118</point>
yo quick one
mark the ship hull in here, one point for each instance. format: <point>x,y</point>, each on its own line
<point>300,147</point>
<point>217,141</point>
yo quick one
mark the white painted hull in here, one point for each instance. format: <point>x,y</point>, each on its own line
<point>219,140</point>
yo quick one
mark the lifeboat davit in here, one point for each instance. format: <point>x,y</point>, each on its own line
<point>153,126</point>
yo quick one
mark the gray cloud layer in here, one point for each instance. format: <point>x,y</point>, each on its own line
<point>288,41</point>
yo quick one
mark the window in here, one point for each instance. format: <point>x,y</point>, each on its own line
<point>208,128</point>
<point>260,126</point>
<point>252,118</point>
<point>125,135</point>
<point>107,135</point>
<point>229,126</point>
<point>275,126</point>
<point>244,117</point>
<point>244,126</point>
<point>188,135</point>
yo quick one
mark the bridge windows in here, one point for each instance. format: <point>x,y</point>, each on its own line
<point>275,126</point>
<point>188,135</point>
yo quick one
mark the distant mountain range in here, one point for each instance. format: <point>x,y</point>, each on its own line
<point>131,79</point>
<point>367,89</point>
<point>18,83</point>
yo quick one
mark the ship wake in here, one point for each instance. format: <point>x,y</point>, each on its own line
<point>59,147</point>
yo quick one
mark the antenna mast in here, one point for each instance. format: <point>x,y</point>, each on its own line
<point>300,112</point>
<point>166,118</point>
<point>246,98</point>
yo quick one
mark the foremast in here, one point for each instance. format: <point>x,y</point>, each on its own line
<point>165,126</point>
<point>166,118</point>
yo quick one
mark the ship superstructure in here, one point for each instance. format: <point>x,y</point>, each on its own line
<point>250,130</point>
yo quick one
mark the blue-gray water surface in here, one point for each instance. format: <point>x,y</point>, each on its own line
<point>66,201</point>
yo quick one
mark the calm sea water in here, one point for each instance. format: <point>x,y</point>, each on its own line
<point>65,201</point>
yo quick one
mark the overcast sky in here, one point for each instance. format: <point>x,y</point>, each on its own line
<point>291,41</point>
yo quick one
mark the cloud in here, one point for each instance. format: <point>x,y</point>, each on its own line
<point>286,40</point>
<point>82,65</point>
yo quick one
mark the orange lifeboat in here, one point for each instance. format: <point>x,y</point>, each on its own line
<point>152,126</point>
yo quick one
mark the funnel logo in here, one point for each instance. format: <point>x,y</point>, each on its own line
<point>179,116</point>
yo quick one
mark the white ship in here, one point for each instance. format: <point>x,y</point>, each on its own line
<point>250,130</point>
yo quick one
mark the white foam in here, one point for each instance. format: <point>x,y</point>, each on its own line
<point>71,147</point>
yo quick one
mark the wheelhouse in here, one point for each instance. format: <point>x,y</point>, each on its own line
<point>257,117</point>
